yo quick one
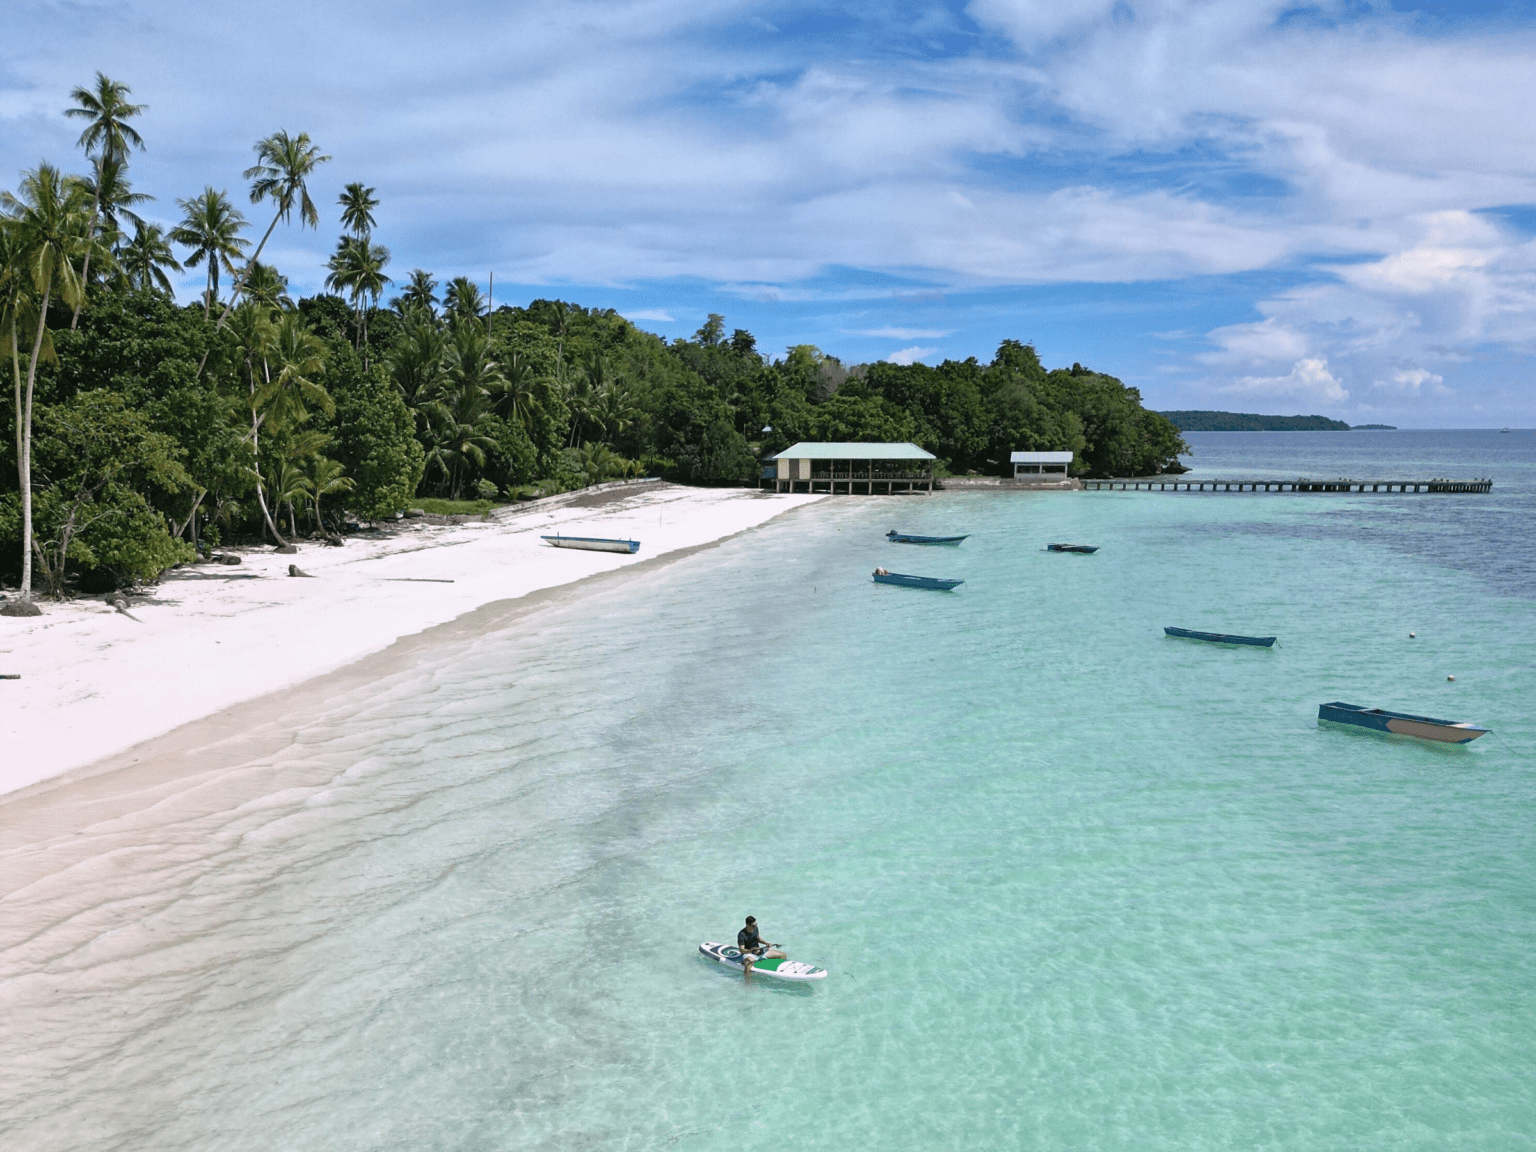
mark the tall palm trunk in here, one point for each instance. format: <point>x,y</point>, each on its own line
<point>234,295</point>
<point>24,447</point>
<point>261,497</point>
<point>85,271</point>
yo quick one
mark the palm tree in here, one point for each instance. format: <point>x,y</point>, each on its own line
<point>281,174</point>
<point>210,226</point>
<point>357,268</point>
<point>53,228</point>
<point>455,441</point>
<point>107,139</point>
<point>256,336</point>
<point>420,293</point>
<point>469,362</point>
<point>299,354</point>
<point>326,477</point>
<point>516,391</point>
<point>463,298</point>
<point>288,483</point>
<point>266,287</point>
<point>416,360</point>
<point>357,205</point>
<point>145,258</point>
<point>114,197</point>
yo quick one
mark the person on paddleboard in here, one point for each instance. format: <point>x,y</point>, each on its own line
<point>754,947</point>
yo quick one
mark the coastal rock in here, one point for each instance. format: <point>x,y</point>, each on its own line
<point>20,608</point>
<point>295,570</point>
<point>285,550</point>
<point>224,558</point>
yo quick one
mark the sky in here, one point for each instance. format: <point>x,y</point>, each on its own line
<point>1247,205</point>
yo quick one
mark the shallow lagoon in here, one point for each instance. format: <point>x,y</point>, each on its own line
<point>1079,885</point>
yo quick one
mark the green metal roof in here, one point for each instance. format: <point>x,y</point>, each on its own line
<point>806,450</point>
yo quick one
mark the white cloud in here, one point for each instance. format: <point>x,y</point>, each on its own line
<point>890,333</point>
<point>655,314</point>
<point>1411,380</point>
<point>1308,379</point>
<point>911,355</point>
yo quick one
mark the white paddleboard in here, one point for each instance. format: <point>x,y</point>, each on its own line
<point>730,956</point>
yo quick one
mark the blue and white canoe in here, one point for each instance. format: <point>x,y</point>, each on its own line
<point>931,583</point>
<point>594,544</point>
<point>1084,549</point>
<point>730,956</point>
<point>912,538</point>
<point>1221,637</point>
<point>1399,723</point>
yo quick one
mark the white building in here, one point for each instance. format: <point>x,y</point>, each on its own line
<point>1032,463</point>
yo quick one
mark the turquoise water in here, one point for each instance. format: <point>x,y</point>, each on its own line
<point>1079,886</point>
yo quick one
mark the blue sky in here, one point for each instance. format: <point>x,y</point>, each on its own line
<point>1240,204</point>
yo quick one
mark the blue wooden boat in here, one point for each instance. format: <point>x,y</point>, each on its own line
<point>932,583</point>
<point>1399,723</point>
<point>1085,549</point>
<point>1221,637</point>
<point>594,544</point>
<point>909,538</point>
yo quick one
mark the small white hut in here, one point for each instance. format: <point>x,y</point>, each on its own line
<point>1035,463</point>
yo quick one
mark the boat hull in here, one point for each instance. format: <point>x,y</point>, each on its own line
<point>1221,638</point>
<point>593,544</point>
<point>1082,549</point>
<point>1399,723</point>
<point>928,583</point>
<point>909,538</point>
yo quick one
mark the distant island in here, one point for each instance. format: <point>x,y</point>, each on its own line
<point>1374,428</point>
<point>1251,422</point>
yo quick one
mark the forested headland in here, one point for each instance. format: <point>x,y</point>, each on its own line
<point>147,430</point>
<point>1203,421</point>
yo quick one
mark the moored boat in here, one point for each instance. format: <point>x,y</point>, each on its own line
<point>1085,549</point>
<point>1221,637</point>
<point>931,583</point>
<point>594,544</point>
<point>911,538</point>
<point>1399,723</point>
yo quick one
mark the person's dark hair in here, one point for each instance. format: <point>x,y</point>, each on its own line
<point>751,919</point>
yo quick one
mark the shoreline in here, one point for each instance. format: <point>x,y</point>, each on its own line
<point>211,639</point>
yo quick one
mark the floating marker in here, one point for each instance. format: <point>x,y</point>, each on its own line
<point>1450,677</point>
<point>1412,635</point>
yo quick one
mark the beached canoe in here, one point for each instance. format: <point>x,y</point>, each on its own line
<point>1221,637</point>
<point>1085,549</point>
<point>594,544</point>
<point>911,538</point>
<point>932,583</point>
<point>1399,723</point>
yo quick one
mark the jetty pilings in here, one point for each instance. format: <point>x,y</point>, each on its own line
<point>1300,485</point>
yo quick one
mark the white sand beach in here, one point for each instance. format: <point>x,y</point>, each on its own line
<point>94,682</point>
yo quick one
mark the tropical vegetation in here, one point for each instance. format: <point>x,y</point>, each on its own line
<point>148,430</point>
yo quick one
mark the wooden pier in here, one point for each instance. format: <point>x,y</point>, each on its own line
<point>1181,484</point>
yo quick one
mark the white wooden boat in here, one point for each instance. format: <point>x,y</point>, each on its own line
<point>594,544</point>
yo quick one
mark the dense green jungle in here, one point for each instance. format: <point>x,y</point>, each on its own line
<point>147,430</point>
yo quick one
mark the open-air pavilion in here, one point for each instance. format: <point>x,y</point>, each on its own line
<point>851,468</point>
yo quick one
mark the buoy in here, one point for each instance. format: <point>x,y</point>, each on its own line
<point>1450,677</point>
<point>1411,635</point>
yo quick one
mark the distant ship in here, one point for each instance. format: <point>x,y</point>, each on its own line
<point>1503,429</point>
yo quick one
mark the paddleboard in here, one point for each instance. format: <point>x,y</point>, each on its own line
<point>730,956</point>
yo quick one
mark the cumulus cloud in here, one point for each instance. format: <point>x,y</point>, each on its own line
<point>1411,380</point>
<point>1307,380</point>
<point>911,355</point>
